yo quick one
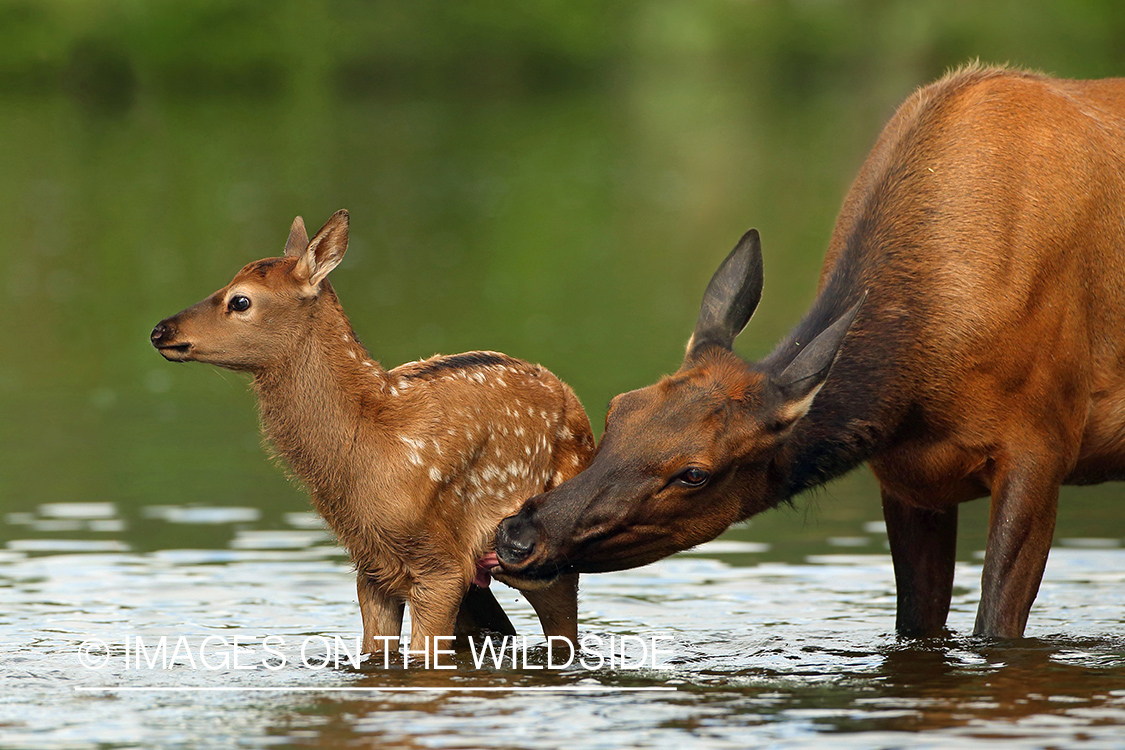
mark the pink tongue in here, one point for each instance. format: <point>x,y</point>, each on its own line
<point>484,565</point>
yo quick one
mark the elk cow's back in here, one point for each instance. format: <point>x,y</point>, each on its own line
<point>988,216</point>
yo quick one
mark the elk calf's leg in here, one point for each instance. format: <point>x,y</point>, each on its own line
<point>1021,523</point>
<point>557,607</point>
<point>382,617</point>
<point>923,548</point>
<point>434,605</point>
<point>479,612</point>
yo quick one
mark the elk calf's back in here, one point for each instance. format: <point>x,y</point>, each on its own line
<point>967,340</point>
<point>412,467</point>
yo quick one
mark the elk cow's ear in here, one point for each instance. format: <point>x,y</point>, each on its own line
<point>298,239</point>
<point>324,251</point>
<point>730,299</point>
<point>802,379</point>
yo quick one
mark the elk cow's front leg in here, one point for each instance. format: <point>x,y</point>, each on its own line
<point>382,616</point>
<point>923,549</point>
<point>1025,498</point>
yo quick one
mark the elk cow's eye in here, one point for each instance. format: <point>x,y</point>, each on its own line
<point>692,477</point>
<point>239,303</point>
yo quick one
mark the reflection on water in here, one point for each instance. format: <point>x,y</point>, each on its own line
<point>764,652</point>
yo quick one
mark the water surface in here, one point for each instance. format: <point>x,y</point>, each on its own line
<point>759,650</point>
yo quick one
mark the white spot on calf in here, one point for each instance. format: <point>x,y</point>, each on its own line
<point>435,474</point>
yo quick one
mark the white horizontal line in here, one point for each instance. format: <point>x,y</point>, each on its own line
<point>227,689</point>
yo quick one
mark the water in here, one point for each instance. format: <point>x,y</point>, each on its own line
<point>558,185</point>
<point>760,651</point>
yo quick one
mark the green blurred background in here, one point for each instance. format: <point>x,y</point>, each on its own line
<point>553,179</point>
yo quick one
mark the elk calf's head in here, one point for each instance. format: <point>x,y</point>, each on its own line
<point>257,319</point>
<point>683,459</point>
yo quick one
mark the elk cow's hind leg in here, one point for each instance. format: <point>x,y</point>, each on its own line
<point>923,548</point>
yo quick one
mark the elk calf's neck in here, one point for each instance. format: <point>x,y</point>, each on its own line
<point>412,467</point>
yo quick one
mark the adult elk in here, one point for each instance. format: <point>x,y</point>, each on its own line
<point>412,467</point>
<point>967,339</point>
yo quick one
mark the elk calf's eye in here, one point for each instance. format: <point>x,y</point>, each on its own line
<point>239,303</point>
<point>693,477</point>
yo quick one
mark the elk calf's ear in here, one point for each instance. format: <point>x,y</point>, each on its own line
<point>298,239</point>
<point>730,299</point>
<point>324,251</point>
<point>802,379</point>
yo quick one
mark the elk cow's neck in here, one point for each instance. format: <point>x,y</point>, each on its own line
<point>313,402</point>
<point>861,403</point>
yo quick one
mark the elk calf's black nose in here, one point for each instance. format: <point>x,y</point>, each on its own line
<point>158,332</point>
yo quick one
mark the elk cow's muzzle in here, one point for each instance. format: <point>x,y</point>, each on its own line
<point>524,551</point>
<point>515,540</point>
<point>585,525</point>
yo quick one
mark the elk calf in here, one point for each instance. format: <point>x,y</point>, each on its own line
<point>411,467</point>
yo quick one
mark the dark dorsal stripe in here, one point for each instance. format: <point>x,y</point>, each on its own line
<point>467,361</point>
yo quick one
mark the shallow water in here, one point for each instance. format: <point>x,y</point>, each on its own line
<point>754,650</point>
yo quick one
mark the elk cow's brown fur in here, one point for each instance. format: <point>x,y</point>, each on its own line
<point>412,467</point>
<point>971,310</point>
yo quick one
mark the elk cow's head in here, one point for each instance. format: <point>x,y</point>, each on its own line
<point>683,459</point>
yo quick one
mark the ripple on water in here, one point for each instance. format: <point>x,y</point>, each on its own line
<point>769,654</point>
<point>202,514</point>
